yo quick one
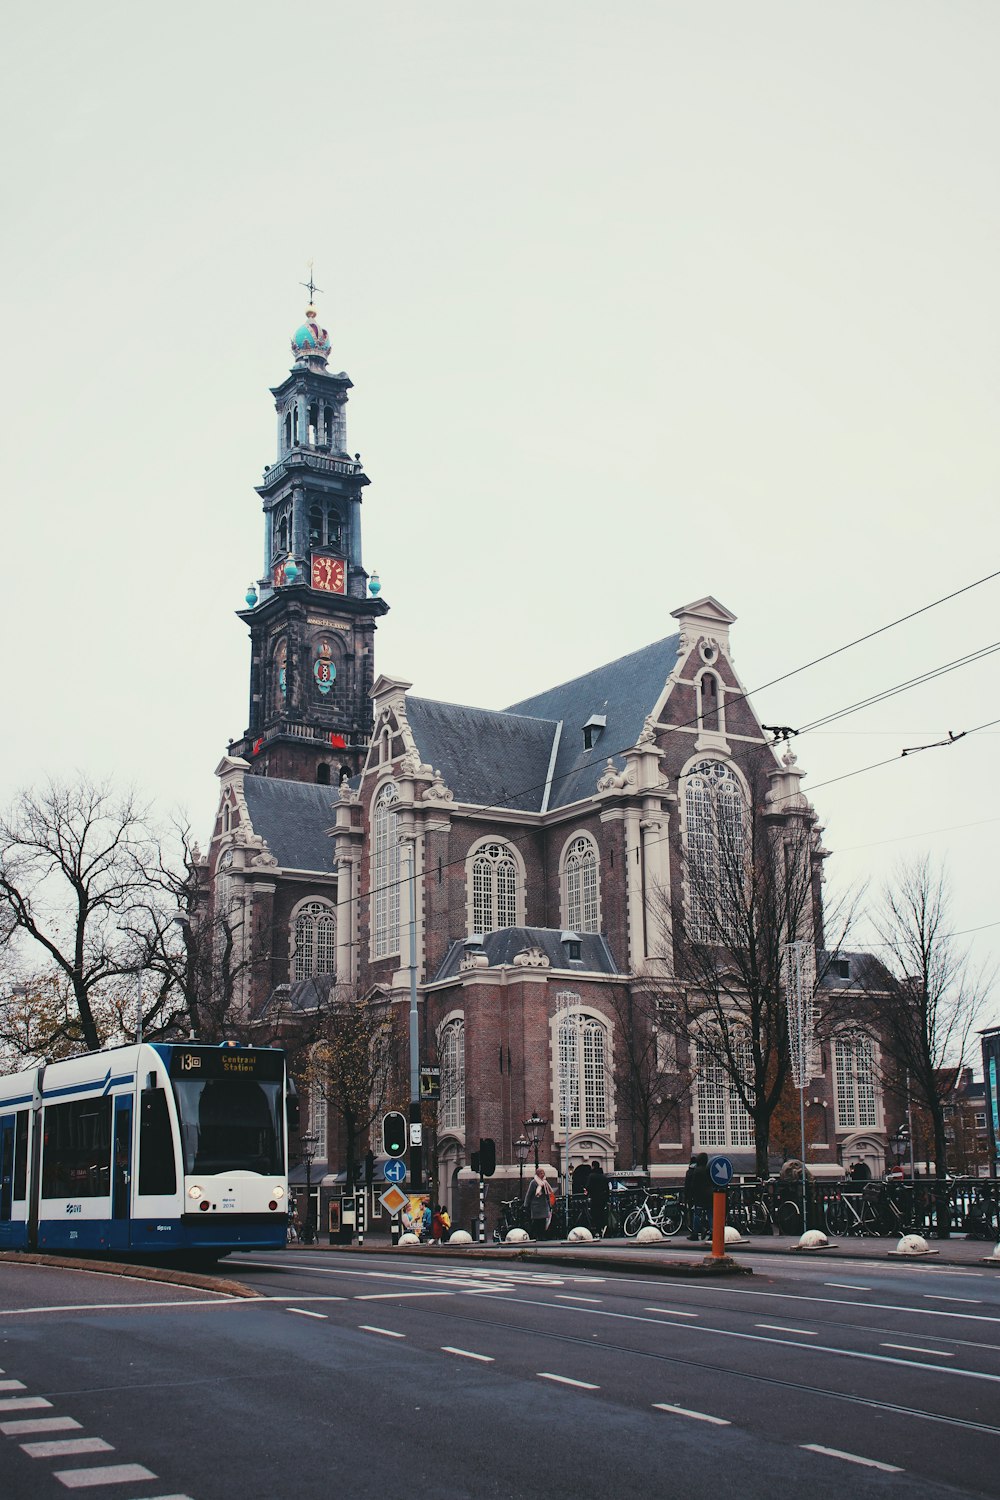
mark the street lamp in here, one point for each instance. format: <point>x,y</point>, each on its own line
<point>522,1146</point>
<point>307,1145</point>
<point>534,1125</point>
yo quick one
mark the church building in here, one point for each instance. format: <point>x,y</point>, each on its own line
<point>515,878</point>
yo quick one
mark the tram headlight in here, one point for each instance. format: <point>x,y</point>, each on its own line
<point>194,1192</point>
<point>277,1192</point>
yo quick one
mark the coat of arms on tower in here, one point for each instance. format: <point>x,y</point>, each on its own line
<point>324,670</point>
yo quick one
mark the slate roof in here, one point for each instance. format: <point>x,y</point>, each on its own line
<point>503,759</point>
<point>496,759</point>
<point>293,818</point>
<point>625,691</point>
<point>502,946</point>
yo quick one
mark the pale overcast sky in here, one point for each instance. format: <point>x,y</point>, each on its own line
<point>640,303</point>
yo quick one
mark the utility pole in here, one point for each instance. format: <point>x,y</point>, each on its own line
<point>416,1129</point>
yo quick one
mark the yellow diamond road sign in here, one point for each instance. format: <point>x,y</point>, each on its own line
<point>393,1200</point>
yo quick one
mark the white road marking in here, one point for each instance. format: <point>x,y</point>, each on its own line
<point>38,1424</point>
<point>388,1333</point>
<point>848,1286</point>
<point>67,1447</point>
<point>569,1297</point>
<point>23,1403</point>
<point>395,1296</point>
<point>940,1297</point>
<point>12,1385</point>
<point>912,1349</point>
<point>487,1359</point>
<point>673,1312</point>
<point>806,1333</point>
<point>683,1411</point>
<point>851,1458</point>
<point>222,1300</point>
<point>89,1479</point>
<point>304,1312</point>
<point>581,1385</point>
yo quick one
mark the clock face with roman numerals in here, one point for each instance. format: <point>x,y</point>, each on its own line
<point>329,574</point>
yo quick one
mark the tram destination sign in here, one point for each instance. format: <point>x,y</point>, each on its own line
<point>227,1062</point>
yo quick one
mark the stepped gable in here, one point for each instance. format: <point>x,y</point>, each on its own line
<point>624,692</point>
<point>294,819</point>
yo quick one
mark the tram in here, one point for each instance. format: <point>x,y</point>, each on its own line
<point>158,1147</point>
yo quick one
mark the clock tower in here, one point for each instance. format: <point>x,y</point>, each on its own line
<point>312,614</point>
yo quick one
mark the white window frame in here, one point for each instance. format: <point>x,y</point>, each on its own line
<point>857,1098</point>
<point>701,807</point>
<point>580,881</point>
<point>487,859</point>
<point>451,1051</point>
<point>304,959</point>
<point>385,872</point>
<point>583,1070</point>
<point>720,1116</point>
<point>720,728</point>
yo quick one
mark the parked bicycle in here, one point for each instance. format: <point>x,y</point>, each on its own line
<point>510,1218</point>
<point>664,1212</point>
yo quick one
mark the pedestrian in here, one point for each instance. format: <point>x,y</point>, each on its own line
<point>580,1176</point>
<point>446,1224</point>
<point>538,1200</point>
<point>597,1198</point>
<point>698,1191</point>
<point>438,1226</point>
<point>426,1220</point>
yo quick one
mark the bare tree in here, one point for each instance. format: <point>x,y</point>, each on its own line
<point>751,877</point>
<point>354,1061</point>
<point>930,997</point>
<point>75,862</point>
<point>650,1081</point>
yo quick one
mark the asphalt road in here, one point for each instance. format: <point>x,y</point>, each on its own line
<point>374,1375</point>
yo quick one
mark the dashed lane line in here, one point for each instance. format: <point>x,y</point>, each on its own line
<point>397,1296</point>
<point>388,1333</point>
<point>304,1312</point>
<point>912,1349</point>
<point>569,1297</point>
<point>580,1385</point>
<point>805,1333</point>
<point>684,1411</point>
<point>940,1297</point>
<point>851,1458</point>
<point>89,1479</point>
<point>487,1359</point>
<point>672,1312</point>
<point>848,1286</point>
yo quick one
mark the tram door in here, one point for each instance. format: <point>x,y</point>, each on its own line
<point>6,1167</point>
<point>121,1189</point>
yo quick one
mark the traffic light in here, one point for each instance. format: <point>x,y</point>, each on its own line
<point>394,1133</point>
<point>487,1154</point>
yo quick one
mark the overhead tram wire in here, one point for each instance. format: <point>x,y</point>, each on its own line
<point>734,699</point>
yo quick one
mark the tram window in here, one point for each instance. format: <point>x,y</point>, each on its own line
<point>76,1161</point>
<point>21,1155</point>
<point>157,1171</point>
<point>228,1124</point>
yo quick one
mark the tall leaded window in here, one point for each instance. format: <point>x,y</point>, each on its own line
<point>854,1073</point>
<point>385,873</point>
<point>582,910</point>
<point>715,844</point>
<point>584,1058</point>
<point>451,1050</point>
<point>315,950</point>
<point>494,888</point>
<point>721,1118</point>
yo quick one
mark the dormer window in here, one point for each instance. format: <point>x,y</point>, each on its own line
<point>572,947</point>
<point>842,968</point>
<point>592,730</point>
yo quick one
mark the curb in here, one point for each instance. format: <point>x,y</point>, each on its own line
<point>165,1274</point>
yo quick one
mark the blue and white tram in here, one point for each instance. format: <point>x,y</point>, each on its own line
<point>160,1146</point>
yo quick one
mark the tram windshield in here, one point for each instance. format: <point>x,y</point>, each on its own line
<point>230,1125</point>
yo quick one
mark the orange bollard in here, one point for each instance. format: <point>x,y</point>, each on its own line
<point>718,1225</point>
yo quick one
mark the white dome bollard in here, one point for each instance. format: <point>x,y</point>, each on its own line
<point>733,1236</point>
<point>460,1237</point>
<point>580,1232</point>
<point>813,1239</point>
<point>913,1244</point>
<point>515,1237</point>
<point>409,1239</point>
<point>649,1235</point>
<point>996,1253</point>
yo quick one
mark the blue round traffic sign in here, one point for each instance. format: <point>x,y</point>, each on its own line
<point>394,1170</point>
<point>720,1169</point>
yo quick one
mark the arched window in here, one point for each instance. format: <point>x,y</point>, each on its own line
<point>314,941</point>
<point>385,873</point>
<point>451,1051</point>
<point>581,886</point>
<point>854,1074</point>
<point>288,429</point>
<point>494,888</point>
<point>721,1118</point>
<point>315,526</point>
<point>709,702</point>
<point>583,1070</point>
<point>283,534</point>
<point>715,845</point>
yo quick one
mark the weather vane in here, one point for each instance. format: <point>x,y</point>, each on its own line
<point>313,288</point>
